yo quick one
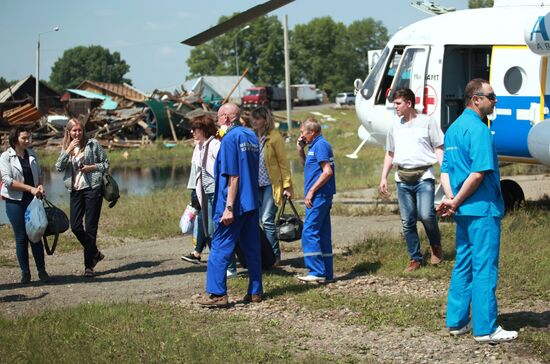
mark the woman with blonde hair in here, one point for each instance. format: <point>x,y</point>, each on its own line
<point>274,173</point>
<point>84,162</point>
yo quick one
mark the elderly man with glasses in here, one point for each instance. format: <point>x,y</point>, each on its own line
<point>471,180</point>
<point>235,206</point>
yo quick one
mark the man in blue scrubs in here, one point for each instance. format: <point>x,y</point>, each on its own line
<point>471,180</point>
<point>235,208</point>
<point>319,188</point>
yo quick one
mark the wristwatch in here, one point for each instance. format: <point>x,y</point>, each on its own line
<point>229,208</point>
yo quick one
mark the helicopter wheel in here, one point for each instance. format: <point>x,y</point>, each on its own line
<point>512,194</point>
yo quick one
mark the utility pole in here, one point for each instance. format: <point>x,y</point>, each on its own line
<point>37,93</point>
<point>287,78</point>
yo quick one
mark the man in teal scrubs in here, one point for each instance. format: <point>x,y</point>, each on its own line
<point>471,180</point>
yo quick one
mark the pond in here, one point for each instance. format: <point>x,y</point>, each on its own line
<point>133,181</point>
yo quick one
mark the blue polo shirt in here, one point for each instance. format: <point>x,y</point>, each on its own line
<point>238,156</point>
<point>319,151</point>
<point>469,148</point>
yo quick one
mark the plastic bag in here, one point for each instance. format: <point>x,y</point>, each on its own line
<point>187,219</point>
<point>36,220</point>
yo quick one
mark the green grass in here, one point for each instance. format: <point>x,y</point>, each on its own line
<point>130,333</point>
<point>152,333</point>
<point>524,256</point>
<point>376,311</point>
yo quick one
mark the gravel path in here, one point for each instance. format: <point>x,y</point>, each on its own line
<point>152,270</point>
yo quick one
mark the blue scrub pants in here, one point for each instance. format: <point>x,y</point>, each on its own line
<point>475,274</point>
<point>317,238</point>
<point>245,230</point>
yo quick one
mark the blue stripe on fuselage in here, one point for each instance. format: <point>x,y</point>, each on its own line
<point>509,133</point>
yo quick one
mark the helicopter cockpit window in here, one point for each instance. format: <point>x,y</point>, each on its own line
<point>389,74</point>
<point>374,75</point>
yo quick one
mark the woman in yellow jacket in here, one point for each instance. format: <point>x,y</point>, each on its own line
<point>274,173</point>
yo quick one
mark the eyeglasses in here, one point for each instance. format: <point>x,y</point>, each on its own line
<point>491,96</point>
<point>228,115</point>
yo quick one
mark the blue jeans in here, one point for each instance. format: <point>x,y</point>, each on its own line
<point>202,238</point>
<point>268,210</point>
<point>416,202</point>
<point>16,214</point>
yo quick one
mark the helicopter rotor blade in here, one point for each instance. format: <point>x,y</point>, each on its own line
<point>235,21</point>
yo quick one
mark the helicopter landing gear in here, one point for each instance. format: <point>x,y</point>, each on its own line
<point>512,194</point>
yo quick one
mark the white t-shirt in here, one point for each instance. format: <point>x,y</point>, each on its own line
<point>413,143</point>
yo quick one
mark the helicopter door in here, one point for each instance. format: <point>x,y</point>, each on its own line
<point>411,73</point>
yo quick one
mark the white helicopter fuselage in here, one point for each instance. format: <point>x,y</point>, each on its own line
<point>437,56</point>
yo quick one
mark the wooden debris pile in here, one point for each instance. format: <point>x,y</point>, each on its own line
<point>131,124</point>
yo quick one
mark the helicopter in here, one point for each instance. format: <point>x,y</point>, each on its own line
<point>436,57</point>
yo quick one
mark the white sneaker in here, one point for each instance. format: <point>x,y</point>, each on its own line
<point>461,331</point>
<point>311,279</point>
<point>231,273</point>
<point>499,336</point>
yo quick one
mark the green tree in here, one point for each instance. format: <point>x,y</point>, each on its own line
<point>260,48</point>
<point>88,63</point>
<point>474,4</point>
<point>317,51</point>
<point>365,35</point>
<point>332,56</point>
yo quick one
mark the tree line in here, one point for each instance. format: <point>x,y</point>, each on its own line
<point>327,53</point>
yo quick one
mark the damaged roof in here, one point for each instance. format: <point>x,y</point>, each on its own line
<point>114,89</point>
<point>26,87</point>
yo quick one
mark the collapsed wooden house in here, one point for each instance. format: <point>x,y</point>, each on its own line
<point>117,115</point>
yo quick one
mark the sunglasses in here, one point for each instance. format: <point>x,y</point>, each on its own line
<point>491,96</point>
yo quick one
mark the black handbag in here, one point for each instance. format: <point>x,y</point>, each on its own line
<point>110,189</point>
<point>58,223</point>
<point>289,226</point>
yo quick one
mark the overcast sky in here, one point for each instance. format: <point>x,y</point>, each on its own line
<point>148,34</point>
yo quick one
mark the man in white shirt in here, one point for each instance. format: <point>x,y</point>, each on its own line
<point>414,143</point>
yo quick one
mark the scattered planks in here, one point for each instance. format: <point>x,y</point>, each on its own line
<point>26,114</point>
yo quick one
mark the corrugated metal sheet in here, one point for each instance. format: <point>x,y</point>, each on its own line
<point>108,103</point>
<point>114,89</point>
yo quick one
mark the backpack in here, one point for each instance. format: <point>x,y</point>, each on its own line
<point>110,190</point>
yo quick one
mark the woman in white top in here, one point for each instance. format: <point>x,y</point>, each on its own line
<point>204,156</point>
<point>21,182</point>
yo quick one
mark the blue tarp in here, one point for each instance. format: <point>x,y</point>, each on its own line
<point>108,102</point>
